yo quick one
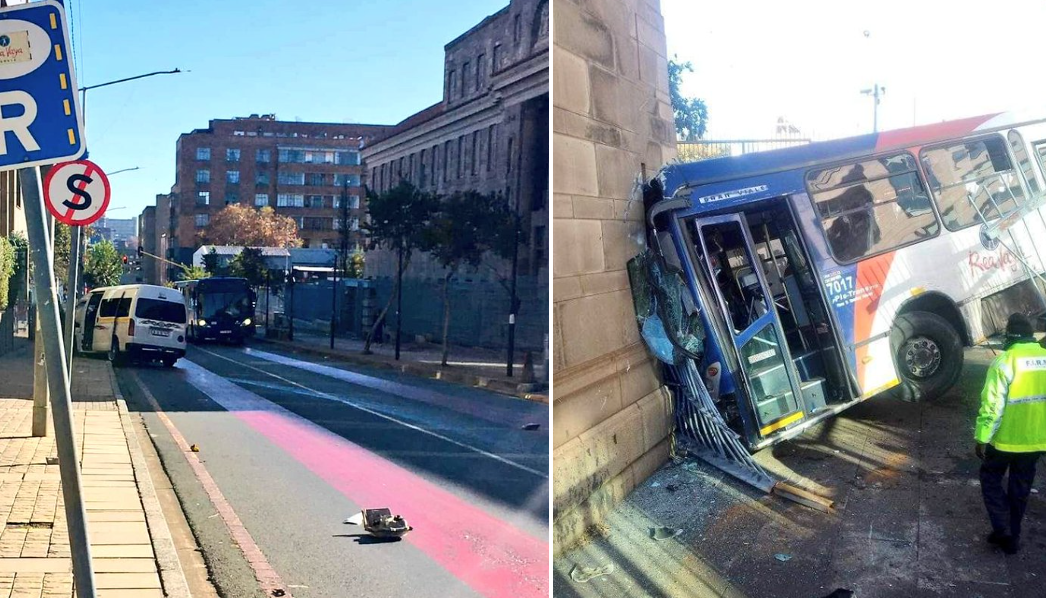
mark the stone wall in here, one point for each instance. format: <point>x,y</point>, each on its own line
<point>612,120</point>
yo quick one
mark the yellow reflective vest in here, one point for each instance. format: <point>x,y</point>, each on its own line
<point>1012,417</point>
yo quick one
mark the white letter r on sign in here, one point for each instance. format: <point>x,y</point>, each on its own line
<point>19,125</point>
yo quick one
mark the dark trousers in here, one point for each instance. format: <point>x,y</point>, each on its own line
<point>1006,507</point>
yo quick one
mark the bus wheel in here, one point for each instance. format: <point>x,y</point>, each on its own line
<point>928,353</point>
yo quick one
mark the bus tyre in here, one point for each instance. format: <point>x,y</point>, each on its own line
<point>928,354</point>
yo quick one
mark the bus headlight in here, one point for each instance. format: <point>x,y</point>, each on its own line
<point>246,322</point>
<point>201,322</point>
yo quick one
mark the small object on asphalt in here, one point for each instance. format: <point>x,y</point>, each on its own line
<point>531,426</point>
<point>380,523</point>
<point>655,484</point>
<point>278,592</point>
<point>1034,490</point>
<point>784,558</point>
<point>841,593</point>
<point>664,532</point>
<point>52,460</point>
<point>195,448</point>
<point>584,574</point>
<point>672,487</point>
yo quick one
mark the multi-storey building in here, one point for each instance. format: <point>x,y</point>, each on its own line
<point>300,169</point>
<point>489,133</point>
<point>147,241</point>
<point>117,230</point>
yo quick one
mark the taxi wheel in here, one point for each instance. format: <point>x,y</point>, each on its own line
<point>115,356</point>
<point>928,353</point>
<point>168,362</point>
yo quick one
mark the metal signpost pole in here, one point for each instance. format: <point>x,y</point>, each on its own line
<point>57,376</point>
<point>70,299</point>
<point>334,297</point>
<point>40,390</point>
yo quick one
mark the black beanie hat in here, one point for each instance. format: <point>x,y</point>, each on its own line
<point>1019,326</point>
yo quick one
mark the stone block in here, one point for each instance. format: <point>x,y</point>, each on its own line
<point>562,206</point>
<point>566,288</point>
<point>621,242</point>
<point>651,33</point>
<point>581,411</point>
<point>617,172</point>
<point>583,34</point>
<point>575,125</point>
<point>648,65</point>
<point>577,247</point>
<point>656,411</point>
<point>610,100</point>
<point>596,325</point>
<point>640,379</point>
<point>593,208</point>
<point>604,282</point>
<point>574,166</point>
<point>570,82</point>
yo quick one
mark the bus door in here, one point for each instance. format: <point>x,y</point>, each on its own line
<point>743,293</point>
<point>90,317</point>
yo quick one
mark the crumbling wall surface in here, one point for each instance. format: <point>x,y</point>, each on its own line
<point>612,121</point>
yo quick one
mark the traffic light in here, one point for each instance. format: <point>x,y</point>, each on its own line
<point>125,260</point>
<point>139,252</point>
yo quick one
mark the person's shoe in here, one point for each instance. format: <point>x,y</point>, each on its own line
<point>997,538</point>
<point>1011,545</point>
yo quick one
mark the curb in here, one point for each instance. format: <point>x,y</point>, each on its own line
<point>172,577</point>
<point>435,373</point>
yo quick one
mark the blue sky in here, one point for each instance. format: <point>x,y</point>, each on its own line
<point>337,61</point>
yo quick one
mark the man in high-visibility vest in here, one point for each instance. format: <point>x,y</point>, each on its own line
<point>1011,430</point>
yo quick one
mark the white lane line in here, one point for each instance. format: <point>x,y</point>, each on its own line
<point>353,404</point>
<point>268,579</point>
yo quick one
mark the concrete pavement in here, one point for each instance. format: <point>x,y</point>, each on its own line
<point>130,541</point>
<point>910,520</point>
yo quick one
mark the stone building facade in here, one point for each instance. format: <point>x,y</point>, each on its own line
<point>300,169</point>
<point>611,120</point>
<point>12,212</point>
<point>147,241</point>
<point>489,133</point>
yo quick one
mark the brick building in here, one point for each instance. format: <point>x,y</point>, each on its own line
<point>489,132</point>
<point>300,169</point>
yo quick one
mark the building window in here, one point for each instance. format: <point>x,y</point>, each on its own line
<point>446,161</point>
<point>461,154</point>
<point>203,153</point>
<point>203,198</point>
<point>475,151</point>
<point>465,78</point>
<point>232,155</point>
<point>352,180</point>
<point>435,164</point>
<point>313,201</point>
<point>452,84</point>
<point>290,200</point>
<point>203,176</point>
<point>422,173</point>
<point>261,178</point>
<point>232,176</point>
<point>508,155</point>
<point>517,30</point>
<point>231,197</point>
<point>410,168</point>
<point>490,148</point>
<point>292,178</point>
<point>874,206</point>
<point>495,59</point>
<point>301,221</point>
<point>293,156</point>
<point>479,71</point>
<point>354,202</point>
<point>539,244</point>
<point>347,158</point>
<point>203,219</point>
<point>354,223</point>
<point>336,223</point>
<point>261,199</point>
<point>263,156</point>
<point>315,179</point>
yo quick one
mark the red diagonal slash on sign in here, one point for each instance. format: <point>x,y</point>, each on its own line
<point>90,168</point>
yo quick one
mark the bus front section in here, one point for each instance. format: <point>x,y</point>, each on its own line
<point>223,310</point>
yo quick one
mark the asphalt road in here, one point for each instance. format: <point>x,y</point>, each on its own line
<point>296,445</point>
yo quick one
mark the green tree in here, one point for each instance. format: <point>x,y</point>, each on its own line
<point>211,264</point>
<point>62,244</point>
<point>249,264</point>
<point>103,265</point>
<point>193,273</point>
<point>398,219</point>
<point>691,114</point>
<point>18,286</point>
<point>355,264</point>
<point>463,231</point>
<point>8,253</point>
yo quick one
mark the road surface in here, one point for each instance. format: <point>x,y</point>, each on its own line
<point>290,446</point>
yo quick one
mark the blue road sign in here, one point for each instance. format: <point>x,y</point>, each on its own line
<point>39,110</point>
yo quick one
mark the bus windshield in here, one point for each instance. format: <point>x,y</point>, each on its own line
<point>224,299</point>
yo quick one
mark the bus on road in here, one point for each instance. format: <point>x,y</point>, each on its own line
<point>833,272</point>
<point>220,309</point>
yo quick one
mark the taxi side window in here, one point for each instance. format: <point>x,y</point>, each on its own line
<point>123,309</point>
<point>108,308</point>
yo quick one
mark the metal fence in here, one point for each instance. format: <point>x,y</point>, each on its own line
<point>705,149</point>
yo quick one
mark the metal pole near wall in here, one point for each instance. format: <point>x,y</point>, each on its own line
<point>58,380</point>
<point>40,389</point>
<point>70,300</point>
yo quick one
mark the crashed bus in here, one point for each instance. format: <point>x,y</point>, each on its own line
<point>815,277</point>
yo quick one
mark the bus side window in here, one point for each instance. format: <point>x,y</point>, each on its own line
<point>1020,151</point>
<point>973,181</point>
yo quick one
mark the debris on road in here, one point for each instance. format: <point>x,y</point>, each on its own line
<point>585,574</point>
<point>380,523</point>
<point>54,461</point>
<point>672,487</point>
<point>664,533</point>
<point>784,558</point>
<point>842,593</point>
<point>195,448</point>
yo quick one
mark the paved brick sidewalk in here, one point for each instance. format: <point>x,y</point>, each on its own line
<point>34,541</point>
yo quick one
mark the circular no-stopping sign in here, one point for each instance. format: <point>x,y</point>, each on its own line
<point>76,193</point>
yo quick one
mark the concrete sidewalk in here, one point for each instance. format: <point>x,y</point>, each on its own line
<point>471,366</point>
<point>909,519</point>
<point>131,546</point>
